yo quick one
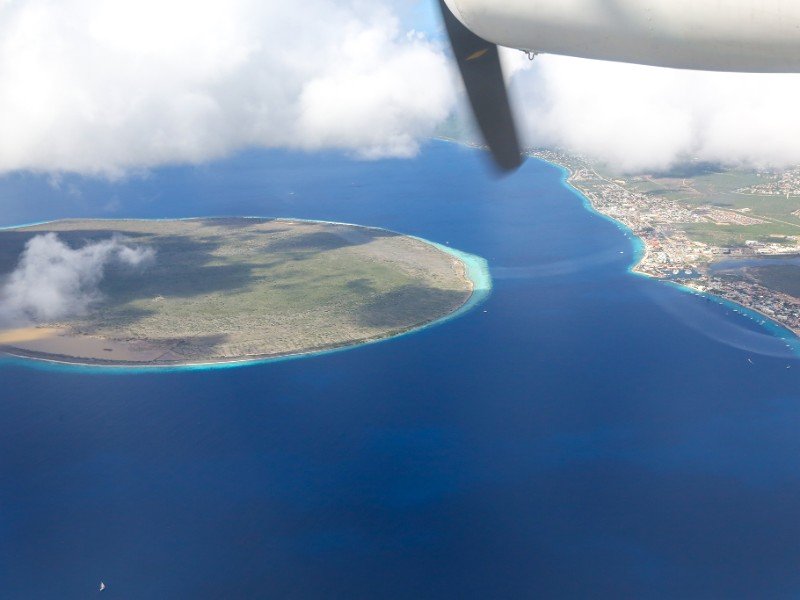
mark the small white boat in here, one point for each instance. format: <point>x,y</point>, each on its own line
<point>102,586</point>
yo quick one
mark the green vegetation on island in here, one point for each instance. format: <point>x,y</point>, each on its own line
<point>229,289</point>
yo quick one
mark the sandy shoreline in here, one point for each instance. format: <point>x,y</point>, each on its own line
<point>48,357</point>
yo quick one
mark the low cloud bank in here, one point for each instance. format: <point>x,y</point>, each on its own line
<point>53,281</point>
<point>108,88</point>
<point>638,118</point>
<point>103,88</point>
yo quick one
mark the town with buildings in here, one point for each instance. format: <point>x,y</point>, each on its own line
<point>785,183</point>
<point>671,254</point>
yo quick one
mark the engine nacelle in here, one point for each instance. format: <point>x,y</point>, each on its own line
<point>714,35</point>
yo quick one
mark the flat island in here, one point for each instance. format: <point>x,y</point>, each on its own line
<point>234,289</point>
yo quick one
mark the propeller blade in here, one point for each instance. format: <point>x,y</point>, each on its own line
<point>479,63</point>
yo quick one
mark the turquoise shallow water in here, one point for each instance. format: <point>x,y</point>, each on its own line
<point>584,433</point>
<point>637,243</point>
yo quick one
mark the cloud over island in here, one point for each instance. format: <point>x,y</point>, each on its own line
<point>53,281</point>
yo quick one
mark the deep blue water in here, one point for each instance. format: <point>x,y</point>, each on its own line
<point>592,434</point>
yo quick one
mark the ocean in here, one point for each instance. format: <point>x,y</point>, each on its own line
<point>585,432</point>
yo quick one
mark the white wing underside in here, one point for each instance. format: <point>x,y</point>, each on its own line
<point>714,35</point>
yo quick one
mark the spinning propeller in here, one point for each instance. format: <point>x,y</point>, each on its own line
<point>479,64</point>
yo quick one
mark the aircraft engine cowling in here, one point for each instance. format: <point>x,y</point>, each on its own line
<point>714,35</point>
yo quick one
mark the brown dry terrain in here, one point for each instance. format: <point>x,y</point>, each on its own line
<point>232,288</point>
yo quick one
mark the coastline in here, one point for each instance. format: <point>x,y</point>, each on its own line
<point>475,271</point>
<point>641,250</point>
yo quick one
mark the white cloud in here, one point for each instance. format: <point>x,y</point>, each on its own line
<point>384,96</point>
<point>104,87</point>
<point>646,118</point>
<point>53,281</point>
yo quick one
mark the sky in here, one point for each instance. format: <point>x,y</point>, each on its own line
<point>111,89</point>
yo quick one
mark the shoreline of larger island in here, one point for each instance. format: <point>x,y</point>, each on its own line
<point>735,298</point>
<point>472,269</point>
